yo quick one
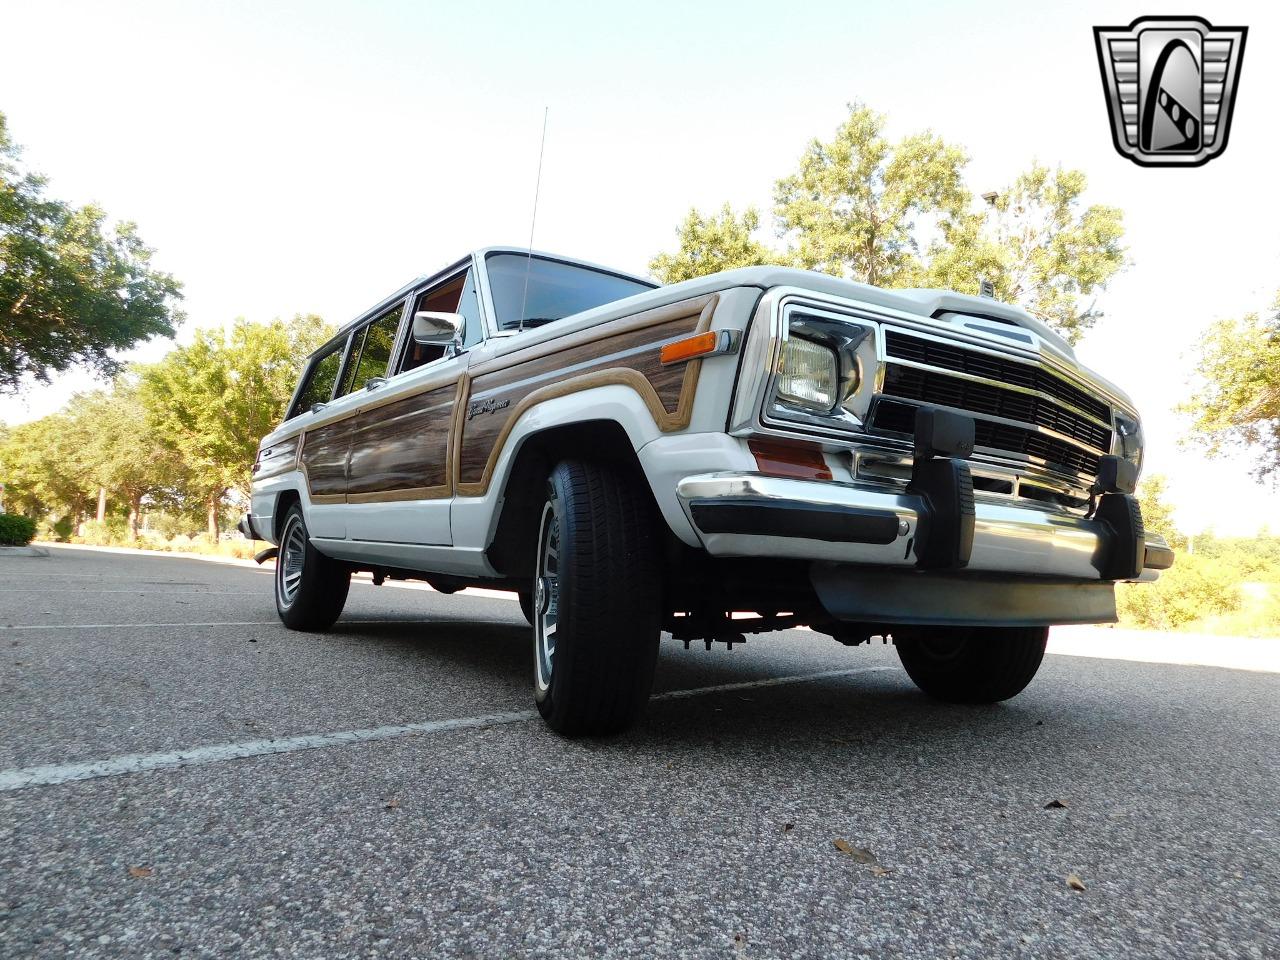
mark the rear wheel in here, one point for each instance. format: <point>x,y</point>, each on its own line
<point>311,589</point>
<point>596,600</point>
<point>972,664</point>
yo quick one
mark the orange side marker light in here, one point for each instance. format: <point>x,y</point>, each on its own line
<point>699,345</point>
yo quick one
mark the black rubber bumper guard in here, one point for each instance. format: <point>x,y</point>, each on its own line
<point>941,479</point>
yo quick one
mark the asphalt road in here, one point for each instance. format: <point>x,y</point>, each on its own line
<point>709,831</point>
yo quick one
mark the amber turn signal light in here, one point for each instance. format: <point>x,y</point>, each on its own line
<point>800,461</point>
<point>699,345</point>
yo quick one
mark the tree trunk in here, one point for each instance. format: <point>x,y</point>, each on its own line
<point>135,508</point>
<point>102,504</point>
<point>213,514</point>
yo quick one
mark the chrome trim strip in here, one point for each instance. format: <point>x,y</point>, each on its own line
<point>1005,421</point>
<point>1000,385</point>
<point>1018,354</point>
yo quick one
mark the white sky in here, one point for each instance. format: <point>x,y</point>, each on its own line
<point>295,157</point>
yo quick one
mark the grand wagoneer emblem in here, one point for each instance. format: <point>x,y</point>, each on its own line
<point>489,405</point>
<point>1170,84</point>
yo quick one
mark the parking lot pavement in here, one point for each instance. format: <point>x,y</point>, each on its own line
<point>708,831</point>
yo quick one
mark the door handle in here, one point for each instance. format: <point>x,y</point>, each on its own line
<point>373,383</point>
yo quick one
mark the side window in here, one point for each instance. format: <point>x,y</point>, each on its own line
<point>371,348</point>
<point>320,378</point>
<point>455,295</point>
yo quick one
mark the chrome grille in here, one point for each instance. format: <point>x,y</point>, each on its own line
<point>1045,401</point>
<point>955,357</point>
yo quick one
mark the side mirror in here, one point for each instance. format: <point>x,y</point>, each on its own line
<point>437,329</point>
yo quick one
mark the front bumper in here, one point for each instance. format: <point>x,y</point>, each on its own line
<point>751,515</point>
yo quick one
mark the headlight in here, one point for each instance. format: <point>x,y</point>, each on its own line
<point>1129,435</point>
<point>809,377</point>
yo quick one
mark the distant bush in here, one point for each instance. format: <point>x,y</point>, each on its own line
<point>1195,588</point>
<point>169,525</point>
<point>111,532</point>
<point>58,529</point>
<point>16,530</point>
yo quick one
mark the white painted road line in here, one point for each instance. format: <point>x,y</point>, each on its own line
<point>145,593</point>
<point>53,774</point>
<point>131,626</point>
<point>337,629</point>
<point>768,682</point>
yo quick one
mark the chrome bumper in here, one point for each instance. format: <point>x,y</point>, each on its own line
<point>854,523</point>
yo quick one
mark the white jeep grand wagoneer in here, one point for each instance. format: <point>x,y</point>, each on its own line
<point>632,459</point>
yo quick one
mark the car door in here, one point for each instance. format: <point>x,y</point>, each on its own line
<point>400,472</point>
<point>324,440</point>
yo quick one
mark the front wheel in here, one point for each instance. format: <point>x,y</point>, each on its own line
<point>971,664</point>
<point>311,589</point>
<point>596,598</point>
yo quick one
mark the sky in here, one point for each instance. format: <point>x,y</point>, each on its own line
<point>312,157</point>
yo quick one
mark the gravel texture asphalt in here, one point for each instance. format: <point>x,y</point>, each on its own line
<point>708,831</point>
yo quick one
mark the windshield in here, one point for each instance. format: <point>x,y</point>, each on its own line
<point>555,289</point>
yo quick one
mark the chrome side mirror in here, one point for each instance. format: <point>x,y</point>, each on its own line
<point>437,329</point>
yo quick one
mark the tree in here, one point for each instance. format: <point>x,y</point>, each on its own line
<point>714,243</point>
<point>1237,404</point>
<point>1157,516</point>
<point>120,451</point>
<point>854,205</point>
<point>1037,248</point>
<point>898,214</point>
<point>44,469</point>
<point>211,402</point>
<point>71,289</point>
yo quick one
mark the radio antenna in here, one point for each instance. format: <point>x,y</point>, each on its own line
<point>533,221</point>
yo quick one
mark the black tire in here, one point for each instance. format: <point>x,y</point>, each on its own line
<point>601,604</point>
<point>526,605</point>
<point>972,664</point>
<point>315,599</point>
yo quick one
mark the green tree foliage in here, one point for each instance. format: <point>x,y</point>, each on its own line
<point>898,214</point>
<point>1237,405</point>
<point>1157,516</point>
<point>853,206</point>
<point>1193,589</point>
<point>120,451</point>
<point>71,288</point>
<point>713,243</point>
<point>45,470</point>
<point>211,402</point>
<point>1037,247</point>
<point>174,436</point>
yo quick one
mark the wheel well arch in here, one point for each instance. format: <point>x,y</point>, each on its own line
<point>511,552</point>
<point>286,500</point>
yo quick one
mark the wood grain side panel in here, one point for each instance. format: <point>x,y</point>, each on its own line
<point>400,450</point>
<point>324,461</point>
<point>629,357</point>
<point>280,457</point>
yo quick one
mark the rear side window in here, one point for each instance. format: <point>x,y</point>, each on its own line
<point>320,378</point>
<point>371,348</point>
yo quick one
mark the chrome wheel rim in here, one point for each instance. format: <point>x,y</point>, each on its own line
<point>293,554</point>
<point>546,598</point>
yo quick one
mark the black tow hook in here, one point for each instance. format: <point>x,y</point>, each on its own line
<point>268,554</point>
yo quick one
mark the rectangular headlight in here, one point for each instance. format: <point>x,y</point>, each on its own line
<point>809,377</point>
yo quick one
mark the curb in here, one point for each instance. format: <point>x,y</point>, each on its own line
<point>23,552</point>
